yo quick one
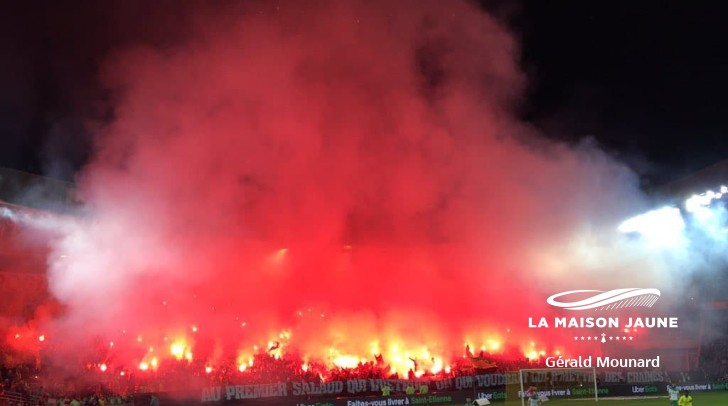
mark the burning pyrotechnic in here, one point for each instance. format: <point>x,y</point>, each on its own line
<point>180,350</point>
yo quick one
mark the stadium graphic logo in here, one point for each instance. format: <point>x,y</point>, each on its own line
<point>613,299</point>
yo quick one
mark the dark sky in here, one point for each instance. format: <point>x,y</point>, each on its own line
<point>646,79</point>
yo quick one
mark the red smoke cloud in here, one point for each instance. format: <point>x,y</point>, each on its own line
<point>342,177</point>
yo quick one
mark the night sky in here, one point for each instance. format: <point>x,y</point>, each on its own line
<point>646,80</point>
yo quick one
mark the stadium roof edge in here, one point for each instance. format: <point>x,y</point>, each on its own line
<point>33,191</point>
<point>697,182</point>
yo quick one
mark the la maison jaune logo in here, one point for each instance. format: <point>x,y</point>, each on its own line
<point>600,301</point>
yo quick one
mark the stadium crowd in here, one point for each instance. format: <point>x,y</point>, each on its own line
<point>30,384</point>
<point>41,382</point>
<point>714,360</point>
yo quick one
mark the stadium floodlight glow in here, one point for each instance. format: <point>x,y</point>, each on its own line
<point>706,214</point>
<point>696,203</point>
<point>663,226</point>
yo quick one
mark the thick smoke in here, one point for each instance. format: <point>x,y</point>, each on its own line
<point>349,174</point>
